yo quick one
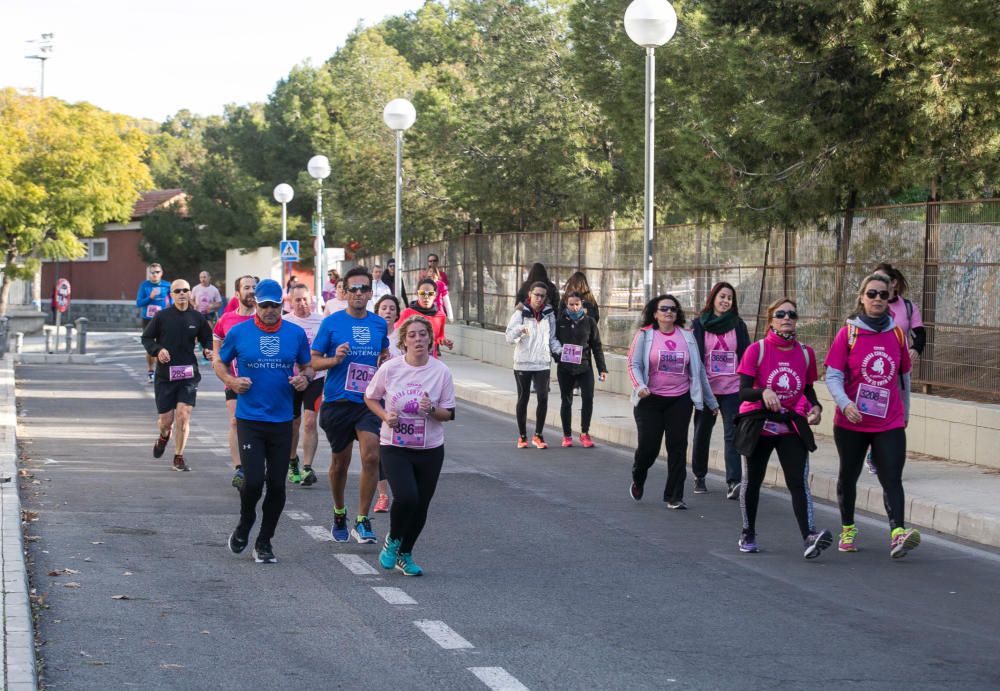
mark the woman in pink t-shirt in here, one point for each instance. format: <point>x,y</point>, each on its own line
<point>776,389</point>
<point>868,375</point>
<point>906,314</point>
<point>419,396</point>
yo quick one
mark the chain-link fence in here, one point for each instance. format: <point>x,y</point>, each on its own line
<point>948,251</point>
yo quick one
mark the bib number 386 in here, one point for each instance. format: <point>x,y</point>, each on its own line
<point>410,432</point>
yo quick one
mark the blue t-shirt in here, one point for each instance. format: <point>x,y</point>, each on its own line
<point>267,359</point>
<point>367,337</point>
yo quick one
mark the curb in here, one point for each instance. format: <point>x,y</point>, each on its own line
<point>18,629</point>
<point>55,359</point>
<point>944,518</point>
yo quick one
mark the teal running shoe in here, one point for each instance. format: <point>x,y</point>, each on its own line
<point>389,554</point>
<point>406,565</point>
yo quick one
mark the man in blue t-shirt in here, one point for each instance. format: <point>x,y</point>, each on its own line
<point>350,344</point>
<point>153,296</point>
<point>266,349</point>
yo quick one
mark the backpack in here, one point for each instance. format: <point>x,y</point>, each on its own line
<point>760,353</point>
<point>852,336</point>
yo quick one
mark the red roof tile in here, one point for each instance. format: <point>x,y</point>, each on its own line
<point>155,199</point>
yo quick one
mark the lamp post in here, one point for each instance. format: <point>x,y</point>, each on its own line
<point>399,115</point>
<point>650,23</point>
<point>319,170</point>
<point>40,50</point>
<point>283,194</point>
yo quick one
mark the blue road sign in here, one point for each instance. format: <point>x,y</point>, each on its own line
<point>289,250</point>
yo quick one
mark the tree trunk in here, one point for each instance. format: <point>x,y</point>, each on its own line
<point>837,307</point>
<point>5,285</point>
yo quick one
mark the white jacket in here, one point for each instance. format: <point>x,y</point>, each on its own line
<point>533,350</point>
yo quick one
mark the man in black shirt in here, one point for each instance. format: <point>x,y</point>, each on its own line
<point>170,337</point>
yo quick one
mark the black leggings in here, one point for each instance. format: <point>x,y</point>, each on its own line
<point>889,457</point>
<point>264,450</point>
<point>413,476</point>
<point>794,459</point>
<point>524,380</point>
<point>654,417</point>
<point>567,382</point>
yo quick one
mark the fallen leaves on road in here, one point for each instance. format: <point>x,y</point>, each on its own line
<point>63,572</point>
<point>32,538</point>
<point>29,515</point>
<point>98,542</point>
<point>71,584</point>
<point>128,573</point>
<point>167,665</point>
<point>120,597</point>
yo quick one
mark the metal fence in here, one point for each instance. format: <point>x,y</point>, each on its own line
<point>949,252</point>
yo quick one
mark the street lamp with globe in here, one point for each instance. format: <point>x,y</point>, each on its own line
<point>319,170</point>
<point>399,115</point>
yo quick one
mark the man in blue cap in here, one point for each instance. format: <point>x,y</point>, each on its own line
<point>265,350</point>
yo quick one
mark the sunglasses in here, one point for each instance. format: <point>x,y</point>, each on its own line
<point>155,273</point>
<point>781,314</point>
<point>178,291</point>
<point>871,294</point>
<point>268,305</point>
<point>432,261</point>
<point>358,289</point>
<point>425,293</point>
<point>667,308</point>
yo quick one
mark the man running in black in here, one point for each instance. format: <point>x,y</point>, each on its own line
<point>170,338</point>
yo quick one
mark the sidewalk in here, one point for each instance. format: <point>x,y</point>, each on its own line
<point>949,497</point>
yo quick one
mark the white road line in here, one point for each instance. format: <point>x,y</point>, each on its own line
<point>221,452</point>
<point>318,532</point>
<point>395,596</point>
<point>497,678</point>
<point>206,440</point>
<point>355,564</point>
<point>298,515</point>
<point>442,634</point>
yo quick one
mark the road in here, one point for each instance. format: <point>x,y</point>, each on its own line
<point>541,573</point>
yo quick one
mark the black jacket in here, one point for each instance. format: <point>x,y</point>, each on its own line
<point>591,308</point>
<point>742,338</point>
<point>749,426</point>
<point>583,332</point>
<point>176,331</point>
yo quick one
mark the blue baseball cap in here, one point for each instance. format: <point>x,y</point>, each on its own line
<point>268,290</point>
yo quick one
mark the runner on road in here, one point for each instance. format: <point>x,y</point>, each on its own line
<point>419,396</point>
<point>266,351</point>
<point>306,402</point>
<point>153,296</point>
<point>868,375</point>
<point>206,297</point>
<point>579,335</point>
<point>170,337</point>
<point>350,344</point>
<point>245,288</point>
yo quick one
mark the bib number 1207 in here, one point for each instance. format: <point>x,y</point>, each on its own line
<point>358,377</point>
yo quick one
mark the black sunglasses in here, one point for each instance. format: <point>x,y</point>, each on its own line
<point>871,294</point>
<point>181,290</point>
<point>667,308</point>
<point>268,305</point>
<point>359,289</point>
<point>781,314</point>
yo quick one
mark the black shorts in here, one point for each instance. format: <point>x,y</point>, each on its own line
<point>170,393</point>
<point>343,420</point>
<point>231,395</point>
<point>310,397</point>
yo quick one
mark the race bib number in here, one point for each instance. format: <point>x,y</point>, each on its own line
<point>572,354</point>
<point>358,377</point>
<point>775,428</point>
<point>179,372</point>
<point>672,362</point>
<point>410,432</point>
<point>872,400</point>
<point>151,311</point>
<point>722,362</point>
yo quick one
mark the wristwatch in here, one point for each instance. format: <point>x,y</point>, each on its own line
<point>432,410</point>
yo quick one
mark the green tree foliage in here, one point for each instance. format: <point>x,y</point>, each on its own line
<point>63,170</point>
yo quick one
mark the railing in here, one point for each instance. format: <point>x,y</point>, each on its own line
<point>949,252</point>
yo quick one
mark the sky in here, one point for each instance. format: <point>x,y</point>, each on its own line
<point>151,59</point>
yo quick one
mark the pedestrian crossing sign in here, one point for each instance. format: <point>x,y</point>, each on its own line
<point>289,250</point>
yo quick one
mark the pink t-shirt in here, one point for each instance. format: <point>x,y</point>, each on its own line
<point>785,373</point>
<point>721,363</point>
<point>668,364</point>
<point>897,309</point>
<point>402,386</point>
<point>310,325</point>
<point>204,296</point>
<point>872,370</point>
<point>222,327</point>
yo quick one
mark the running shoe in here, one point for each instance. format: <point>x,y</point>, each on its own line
<point>635,491</point>
<point>816,543</point>
<point>362,532</point>
<point>262,552</point>
<point>522,443</point>
<point>871,464</point>
<point>733,490</point>
<point>848,534</point>
<point>389,554</point>
<point>382,505</point>
<point>539,442</point>
<point>149,377</point>
<point>405,564</point>
<point>339,528</point>
<point>237,543</point>
<point>904,540</point>
<point>567,441</point>
<point>676,505</point>
<point>160,446</point>
<point>179,464</point>
<point>238,479</point>
<point>699,486</point>
<point>308,476</point>
<point>748,543</point>
<point>585,441</point>
<point>294,476</point>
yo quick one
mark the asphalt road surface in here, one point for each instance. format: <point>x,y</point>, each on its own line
<point>540,572</point>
